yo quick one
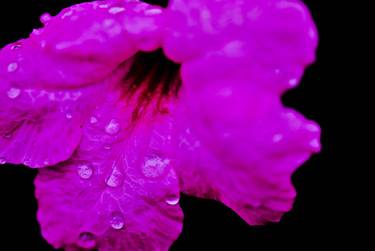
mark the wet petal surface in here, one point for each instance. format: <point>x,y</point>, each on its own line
<point>119,191</point>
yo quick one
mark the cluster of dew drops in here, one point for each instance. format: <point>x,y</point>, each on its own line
<point>86,171</point>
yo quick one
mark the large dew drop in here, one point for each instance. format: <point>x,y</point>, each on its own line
<point>13,93</point>
<point>115,179</point>
<point>68,115</point>
<point>93,120</point>
<point>172,200</point>
<point>12,67</point>
<point>117,221</point>
<point>85,171</point>
<point>154,166</point>
<point>113,127</point>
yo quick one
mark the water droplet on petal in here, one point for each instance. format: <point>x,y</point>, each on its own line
<point>43,43</point>
<point>87,240</point>
<point>68,115</point>
<point>107,147</point>
<point>13,93</point>
<point>63,45</point>
<point>154,166</point>
<point>277,137</point>
<point>12,67</point>
<point>151,12</point>
<point>115,179</point>
<point>16,46</point>
<point>103,6</point>
<point>85,171</point>
<point>93,120</point>
<point>113,127</point>
<point>2,161</point>
<point>172,200</point>
<point>45,18</point>
<point>36,32</point>
<point>293,82</point>
<point>115,10</point>
<point>117,221</point>
<point>312,128</point>
<point>67,14</point>
<point>315,144</point>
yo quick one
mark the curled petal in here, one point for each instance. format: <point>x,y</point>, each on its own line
<point>49,81</point>
<point>267,40</point>
<point>237,142</point>
<point>83,44</point>
<point>32,119</point>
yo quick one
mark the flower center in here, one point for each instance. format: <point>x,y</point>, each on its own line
<point>156,76</point>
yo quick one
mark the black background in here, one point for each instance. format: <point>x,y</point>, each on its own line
<point>317,220</point>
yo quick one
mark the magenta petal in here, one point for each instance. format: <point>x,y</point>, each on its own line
<point>245,164</point>
<point>237,142</point>
<point>40,128</point>
<point>118,192</point>
<point>269,42</point>
<point>83,44</point>
<point>89,40</point>
<point>51,81</point>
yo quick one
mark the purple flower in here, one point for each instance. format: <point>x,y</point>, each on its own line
<point>114,156</point>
